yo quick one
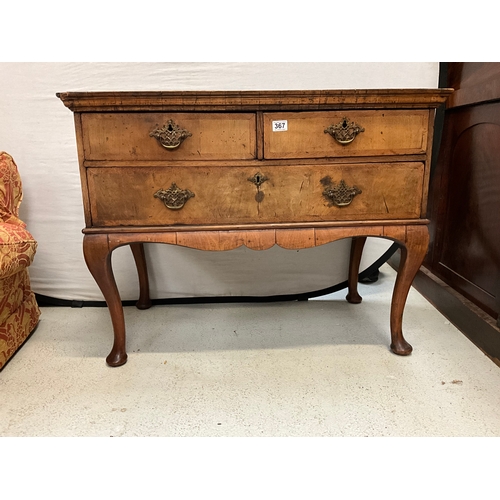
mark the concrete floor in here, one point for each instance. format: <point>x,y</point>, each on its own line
<point>316,368</point>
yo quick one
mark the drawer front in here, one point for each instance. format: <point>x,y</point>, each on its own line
<point>208,136</point>
<point>353,133</point>
<point>237,195</point>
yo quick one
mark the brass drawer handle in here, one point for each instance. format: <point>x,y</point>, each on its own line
<point>174,198</point>
<point>170,136</point>
<point>339,194</point>
<point>345,131</point>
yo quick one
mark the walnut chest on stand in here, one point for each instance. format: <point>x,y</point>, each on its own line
<point>216,170</point>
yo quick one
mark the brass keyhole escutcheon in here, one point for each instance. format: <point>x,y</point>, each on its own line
<point>258,179</point>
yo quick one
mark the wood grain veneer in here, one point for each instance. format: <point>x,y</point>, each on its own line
<point>233,179</point>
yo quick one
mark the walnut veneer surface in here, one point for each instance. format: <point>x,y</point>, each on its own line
<point>217,170</point>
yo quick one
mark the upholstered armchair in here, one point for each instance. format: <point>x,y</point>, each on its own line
<point>19,312</point>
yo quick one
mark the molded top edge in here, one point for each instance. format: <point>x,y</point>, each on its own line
<point>252,99</point>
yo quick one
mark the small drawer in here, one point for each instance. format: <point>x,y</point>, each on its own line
<point>169,136</point>
<point>345,133</point>
<point>201,195</point>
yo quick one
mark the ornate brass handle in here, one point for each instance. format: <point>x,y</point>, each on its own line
<point>345,131</point>
<point>170,136</point>
<point>174,197</point>
<point>339,194</point>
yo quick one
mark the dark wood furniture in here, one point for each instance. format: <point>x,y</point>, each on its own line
<point>464,203</point>
<point>217,170</point>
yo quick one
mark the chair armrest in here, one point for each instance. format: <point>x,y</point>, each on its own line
<point>17,249</point>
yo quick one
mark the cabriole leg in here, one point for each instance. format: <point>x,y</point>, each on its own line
<point>357,246</point>
<point>412,256</point>
<point>144,301</point>
<point>98,258</point>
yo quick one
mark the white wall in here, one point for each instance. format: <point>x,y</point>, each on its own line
<point>38,131</point>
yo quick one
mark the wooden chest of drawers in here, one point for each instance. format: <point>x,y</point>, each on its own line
<point>216,170</point>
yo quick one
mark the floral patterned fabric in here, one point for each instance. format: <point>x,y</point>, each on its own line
<point>17,249</point>
<point>19,312</point>
<point>11,190</point>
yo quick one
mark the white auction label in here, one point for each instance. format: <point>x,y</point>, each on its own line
<point>280,125</point>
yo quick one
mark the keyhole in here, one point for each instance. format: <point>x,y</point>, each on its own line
<point>258,179</point>
<point>170,128</point>
<point>344,124</point>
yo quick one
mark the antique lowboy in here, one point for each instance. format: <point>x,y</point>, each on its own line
<point>219,169</point>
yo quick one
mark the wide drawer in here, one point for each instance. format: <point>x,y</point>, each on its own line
<point>352,133</point>
<point>238,195</point>
<point>131,136</point>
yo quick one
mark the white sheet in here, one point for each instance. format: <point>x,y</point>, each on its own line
<point>38,131</point>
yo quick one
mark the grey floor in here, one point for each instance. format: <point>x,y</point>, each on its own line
<point>316,368</point>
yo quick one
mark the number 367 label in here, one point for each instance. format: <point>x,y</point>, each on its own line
<point>280,125</point>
